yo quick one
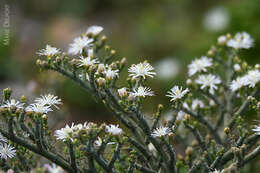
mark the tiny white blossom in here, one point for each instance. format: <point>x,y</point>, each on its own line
<point>7,151</point>
<point>122,92</point>
<point>208,80</point>
<point>216,171</point>
<point>87,61</point>
<point>114,129</point>
<point>237,67</point>
<point>95,30</point>
<point>141,70</point>
<point>142,92</point>
<point>196,103</point>
<point>79,44</point>
<point>53,168</point>
<point>49,51</point>
<point>241,40</point>
<point>257,130</point>
<point>199,65</point>
<point>2,138</point>
<point>64,133</point>
<point>222,40</point>
<point>110,74</point>
<point>152,149</point>
<point>252,78</point>
<point>12,103</point>
<point>160,131</point>
<point>38,108</point>
<point>238,83</point>
<point>49,100</point>
<point>177,93</point>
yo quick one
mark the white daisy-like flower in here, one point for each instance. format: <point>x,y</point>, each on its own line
<point>49,51</point>
<point>53,168</point>
<point>79,44</point>
<point>2,138</point>
<point>177,93</point>
<point>252,78</point>
<point>208,80</point>
<point>80,126</point>
<point>87,61</point>
<point>197,103</point>
<point>152,149</point>
<point>110,74</point>
<point>49,100</point>
<point>12,103</point>
<point>141,70</point>
<point>7,151</point>
<point>38,108</point>
<point>142,92</point>
<point>64,133</point>
<point>160,132</point>
<point>238,83</point>
<point>199,65</point>
<point>257,130</point>
<point>122,92</point>
<point>114,129</point>
<point>95,30</point>
<point>241,40</point>
<point>222,40</point>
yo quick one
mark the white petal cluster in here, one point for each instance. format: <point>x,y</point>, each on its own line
<point>257,130</point>
<point>211,81</point>
<point>114,129</point>
<point>222,40</point>
<point>142,92</point>
<point>152,149</point>
<point>199,65</point>
<point>141,70</point>
<point>216,171</point>
<point>196,103</point>
<point>177,93</point>
<point>49,51</point>
<point>48,100</point>
<point>12,103</point>
<point>122,92</point>
<point>53,168</point>
<point>87,62</point>
<point>95,30</point>
<point>79,44</point>
<point>241,41</point>
<point>160,132</point>
<point>7,151</point>
<point>238,83</point>
<point>38,108</point>
<point>110,73</point>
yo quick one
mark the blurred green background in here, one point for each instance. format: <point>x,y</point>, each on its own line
<point>168,33</point>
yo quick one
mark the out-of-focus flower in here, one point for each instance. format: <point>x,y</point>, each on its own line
<point>167,68</point>
<point>38,108</point>
<point>87,62</point>
<point>238,83</point>
<point>64,133</point>
<point>216,171</point>
<point>114,129</point>
<point>7,151</point>
<point>152,149</point>
<point>142,92</point>
<point>177,93</point>
<point>252,78</point>
<point>222,40</point>
<point>49,51</point>
<point>12,103</point>
<point>199,65</point>
<point>257,130</point>
<point>95,30</point>
<point>160,132</point>
<point>49,100</point>
<point>208,80</point>
<point>2,138</point>
<point>122,92</point>
<point>141,70</point>
<point>237,67</point>
<point>53,168</point>
<point>196,103</point>
<point>79,44</point>
<point>240,41</point>
<point>216,19</point>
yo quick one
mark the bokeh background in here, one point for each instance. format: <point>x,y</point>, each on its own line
<point>168,33</point>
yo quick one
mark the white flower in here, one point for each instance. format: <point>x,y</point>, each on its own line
<point>122,92</point>
<point>208,80</point>
<point>12,103</point>
<point>87,61</point>
<point>257,130</point>
<point>49,100</point>
<point>196,103</point>
<point>2,138</point>
<point>222,40</point>
<point>38,108</point>
<point>141,70</point>
<point>237,67</point>
<point>241,40</point>
<point>64,133</point>
<point>167,68</point>
<point>114,129</point>
<point>142,92</point>
<point>110,74</point>
<point>152,149</point>
<point>49,51</point>
<point>199,65</point>
<point>7,151</point>
<point>252,78</point>
<point>79,44</point>
<point>216,171</point>
<point>177,93</point>
<point>238,83</point>
<point>94,30</point>
<point>53,168</point>
<point>180,115</point>
<point>160,131</point>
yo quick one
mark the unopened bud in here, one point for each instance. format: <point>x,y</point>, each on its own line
<point>227,130</point>
<point>188,151</point>
<point>101,81</point>
<point>122,92</point>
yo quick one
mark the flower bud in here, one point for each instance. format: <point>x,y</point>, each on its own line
<point>237,67</point>
<point>101,68</point>
<point>103,38</point>
<point>222,40</point>
<point>7,93</point>
<point>101,81</point>
<point>188,151</point>
<point>112,52</point>
<point>227,130</point>
<point>189,82</point>
<point>122,92</point>
<point>123,61</point>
